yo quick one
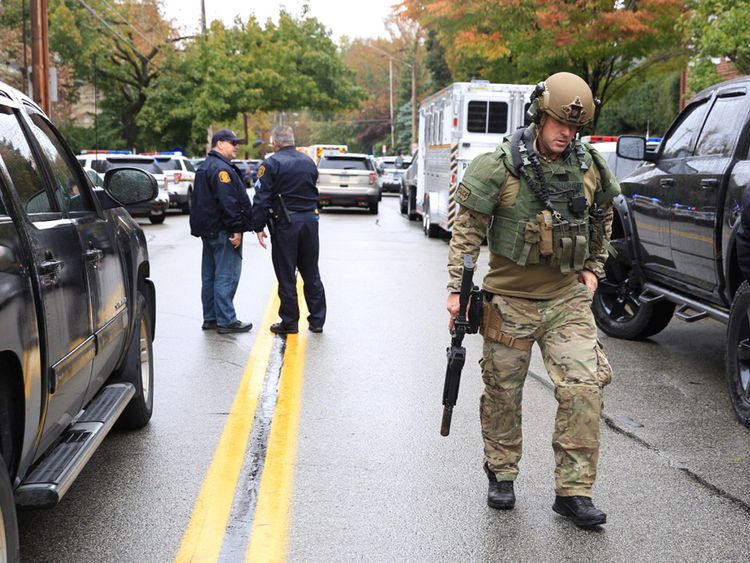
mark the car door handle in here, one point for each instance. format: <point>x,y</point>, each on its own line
<point>709,183</point>
<point>50,267</point>
<point>50,270</point>
<point>94,255</point>
<point>666,182</point>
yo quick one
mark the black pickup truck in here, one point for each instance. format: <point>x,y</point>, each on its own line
<point>675,231</point>
<point>76,312</point>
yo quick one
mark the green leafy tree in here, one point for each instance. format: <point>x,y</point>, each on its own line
<point>246,68</point>
<point>716,29</point>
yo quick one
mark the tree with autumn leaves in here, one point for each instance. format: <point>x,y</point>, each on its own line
<point>608,43</point>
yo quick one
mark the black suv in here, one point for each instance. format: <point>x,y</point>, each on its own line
<point>76,312</point>
<point>675,231</point>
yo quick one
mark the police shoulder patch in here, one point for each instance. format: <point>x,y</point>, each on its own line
<point>463,192</point>
<point>224,177</point>
<point>261,170</point>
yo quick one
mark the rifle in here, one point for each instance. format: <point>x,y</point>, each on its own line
<point>470,300</point>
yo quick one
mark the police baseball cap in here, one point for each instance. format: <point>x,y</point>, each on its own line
<point>225,135</point>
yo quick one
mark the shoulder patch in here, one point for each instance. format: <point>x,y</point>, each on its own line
<point>261,170</point>
<point>463,193</point>
<point>224,177</point>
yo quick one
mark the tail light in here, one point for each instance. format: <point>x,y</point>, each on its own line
<point>453,180</point>
<point>373,178</point>
<point>178,177</point>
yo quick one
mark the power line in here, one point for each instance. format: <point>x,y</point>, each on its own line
<point>138,31</point>
<point>116,33</point>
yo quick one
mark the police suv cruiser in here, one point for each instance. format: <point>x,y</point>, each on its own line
<point>105,160</point>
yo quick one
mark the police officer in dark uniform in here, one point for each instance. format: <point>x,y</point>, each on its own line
<point>286,199</point>
<point>220,213</point>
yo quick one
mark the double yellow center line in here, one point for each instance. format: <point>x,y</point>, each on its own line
<point>267,540</point>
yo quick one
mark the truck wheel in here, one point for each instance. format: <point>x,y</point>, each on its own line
<point>139,370</point>
<point>8,522</point>
<point>619,312</point>
<point>189,203</point>
<point>429,228</point>
<point>738,354</point>
<point>411,205</point>
<point>403,200</point>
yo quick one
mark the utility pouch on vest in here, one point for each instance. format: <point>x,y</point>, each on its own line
<point>544,219</point>
<point>491,329</point>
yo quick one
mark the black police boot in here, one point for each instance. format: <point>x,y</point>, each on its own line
<point>500,494</point>
<point>581,510</point>
<point>281,328</point>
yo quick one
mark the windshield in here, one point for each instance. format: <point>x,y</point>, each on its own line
<point>168,164</point>
<point>147,166</point>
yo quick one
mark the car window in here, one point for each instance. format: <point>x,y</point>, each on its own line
<point>716,138</point>
<point>344,163</point>
<point>680,142</point>
<point>22,168</point>
<point>2,206</point>
<point>68,184</point>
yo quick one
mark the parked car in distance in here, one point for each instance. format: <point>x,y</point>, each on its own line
<point>249,170</point>
<point>348,180</point>
<point>393,172</point>
<point>408,191</point>
<point>103,161</point>
<point>77,312</point>
<point>197,162</point>
<point>180,174</point>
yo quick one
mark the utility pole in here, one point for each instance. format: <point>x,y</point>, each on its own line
<point>390,100</point>
<point>40,54</point>
<point>203,17</point>
<point>413,107</point>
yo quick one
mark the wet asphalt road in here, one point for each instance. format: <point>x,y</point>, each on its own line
<point>374,480</point>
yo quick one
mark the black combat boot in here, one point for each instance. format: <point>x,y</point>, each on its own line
<point>500,494</point>
<point>581,510</point>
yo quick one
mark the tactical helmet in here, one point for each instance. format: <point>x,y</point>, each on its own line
<point>564,96</point>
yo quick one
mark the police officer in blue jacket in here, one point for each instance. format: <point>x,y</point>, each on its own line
<point>220,213</point>
<point>286,199</point>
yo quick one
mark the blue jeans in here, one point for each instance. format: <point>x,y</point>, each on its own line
<point>220,272</point>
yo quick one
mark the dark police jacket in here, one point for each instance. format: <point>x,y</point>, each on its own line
<point>220,201</point>
<point>288,173</point>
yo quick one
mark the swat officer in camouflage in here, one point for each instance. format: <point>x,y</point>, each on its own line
<point>543,201</point>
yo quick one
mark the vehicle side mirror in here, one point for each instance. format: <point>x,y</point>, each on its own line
<point>631,147</point>
<point>128,186</point>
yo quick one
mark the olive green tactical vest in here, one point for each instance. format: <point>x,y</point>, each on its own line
<point>516,233</point>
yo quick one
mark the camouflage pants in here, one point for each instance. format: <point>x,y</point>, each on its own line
<point>565,331</point>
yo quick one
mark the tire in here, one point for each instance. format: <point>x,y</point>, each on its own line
<point>403,201</point>
<point>738,354</point>
<point>9,543</point>
<point>429,228</point>
<point>157,220</point>
<point>139,370</point>
<point>189,203</point>
<point>411,204</point>
<point>374,208</point>
<point>617,308</point>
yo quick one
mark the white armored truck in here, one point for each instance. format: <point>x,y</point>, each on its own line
<point>457,124</point>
